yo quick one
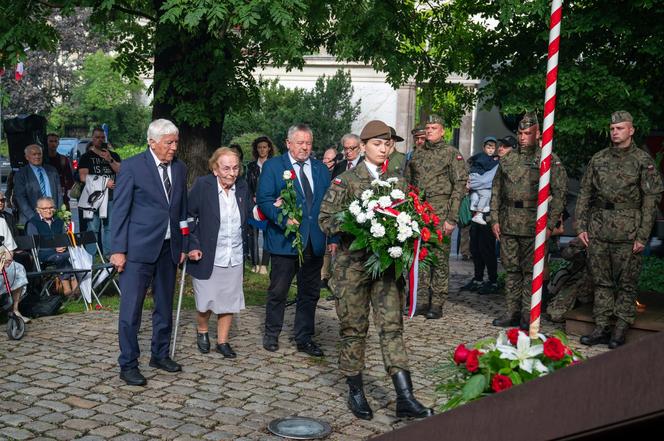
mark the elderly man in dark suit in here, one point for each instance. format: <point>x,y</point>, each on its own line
<point>147,245</point>
<point>33,181</point>
<point>351,145</point>
<point>312,182</point>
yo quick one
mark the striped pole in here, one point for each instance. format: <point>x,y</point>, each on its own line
<point>545,167</point>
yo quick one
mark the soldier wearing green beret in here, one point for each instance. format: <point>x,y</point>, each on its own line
<point>356,293</point>
<point>514,212</point>
<point>615,212</point>
<point>439,171</point>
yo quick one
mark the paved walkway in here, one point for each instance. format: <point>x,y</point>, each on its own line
<point>61,380</point>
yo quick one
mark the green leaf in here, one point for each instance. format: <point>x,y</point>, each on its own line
<point>360,243</point>
<point>474,387</point>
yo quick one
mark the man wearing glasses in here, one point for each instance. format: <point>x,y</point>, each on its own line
<point>351,145</point>
<point>33,181</point>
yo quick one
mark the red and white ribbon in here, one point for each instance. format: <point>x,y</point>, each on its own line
<point>545,167</point>
<point>413,279</point>
<point>184,227</point>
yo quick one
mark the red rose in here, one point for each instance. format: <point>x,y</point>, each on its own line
<point>423,254</point>
<point>513,335</point>
<point>426,218</point>
<point>440,236</point>
<point>554,349</point>
<point>472,361</point>
<point>461,354</point>
<point>292,175</point>
<point>426,234</point>
<point>500,383</point>
<point>435,219</point>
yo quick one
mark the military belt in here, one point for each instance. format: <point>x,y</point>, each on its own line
<point>523,204</point>
<point>616,205</point>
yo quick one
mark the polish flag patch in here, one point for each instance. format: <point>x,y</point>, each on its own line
<point>459,158</point>
<point>336,181</point>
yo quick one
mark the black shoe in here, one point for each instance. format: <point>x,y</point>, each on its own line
<point>270,344</point>
<point>488,288</point>
<point>226,350</point>
<point>600,335</point>
<point>324,284</point>
<point>133,377</point>
<point>434,313</point>
<point>618,335</point>
<point>310,348</point>
<point>203,342</point>
<point>165,364</point>
<point>407,405</point>
<point>357,402</point>
<point>473,285</point>
<point>419,310</point>
<point>507,320</point>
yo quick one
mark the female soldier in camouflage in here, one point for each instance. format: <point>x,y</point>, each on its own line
<point>355,291</point>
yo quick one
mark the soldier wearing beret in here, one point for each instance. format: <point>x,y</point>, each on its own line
<point>439,171</point>
<point>396,161</point>
<point>356,292</point>
<point>513,215</point>
<point>615,212</point>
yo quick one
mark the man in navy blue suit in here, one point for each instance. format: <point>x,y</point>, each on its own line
<point>313,179</point>
<point>147,245</point>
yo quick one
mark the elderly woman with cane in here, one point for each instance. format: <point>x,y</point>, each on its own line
<point>220,206</point>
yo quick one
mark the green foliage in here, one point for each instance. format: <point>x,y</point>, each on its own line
<point>129,150</point>
<point>244,141</point>
<point>328,109</point>
<point>652,274</point>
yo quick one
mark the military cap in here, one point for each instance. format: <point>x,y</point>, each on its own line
<point>621,116</point>
<point>394,136</point>
<point>435,119</point>
<point>418,131</point>
<point>509,141</point>
<point>375,129</point>
<point>489,139</point>
<point>528,120</point>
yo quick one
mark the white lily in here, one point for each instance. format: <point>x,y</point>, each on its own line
<point>524,353</point>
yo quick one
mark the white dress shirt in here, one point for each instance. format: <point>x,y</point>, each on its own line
<point>229,237</point>
<point>307,172</point>
<point>161,179</point>
<point>373,169</point>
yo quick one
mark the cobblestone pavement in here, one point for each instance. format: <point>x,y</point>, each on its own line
<point>61,380</point>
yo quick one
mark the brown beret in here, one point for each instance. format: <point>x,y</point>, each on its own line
<point>375,129</point>
<point>394,136</point>
<point>621,116</point>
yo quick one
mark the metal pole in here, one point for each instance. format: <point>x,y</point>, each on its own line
<point>177,314</point>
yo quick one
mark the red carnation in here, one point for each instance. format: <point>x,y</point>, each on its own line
<point>426,234</point>
<point>426,218</point>
<point>461,354</point>
<point>418,207</point>
<point>423,254</point>
<point>513,335</point>
<point>473,361</point>
<point>428,206</point>
<point>500,383</point>
<point>554,349</point>
<point>413,189</point>
<point>435,219</point>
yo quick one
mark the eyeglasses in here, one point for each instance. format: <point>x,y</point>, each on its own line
<point>45,208</point>
<point>2,200</point>
<point>352,148</point>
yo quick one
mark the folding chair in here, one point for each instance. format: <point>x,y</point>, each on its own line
<point>48,274</point>
<point>102,273</point>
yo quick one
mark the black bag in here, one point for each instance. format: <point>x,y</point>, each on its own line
<point>35,304</point>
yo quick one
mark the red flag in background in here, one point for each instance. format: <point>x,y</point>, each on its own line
<point>19,71</point>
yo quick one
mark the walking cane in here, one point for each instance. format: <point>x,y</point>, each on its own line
<point>184,229</point>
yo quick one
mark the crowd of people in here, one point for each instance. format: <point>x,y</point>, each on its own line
<point>149,211</point>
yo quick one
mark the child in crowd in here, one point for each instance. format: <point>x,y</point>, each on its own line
<point>482,170</point>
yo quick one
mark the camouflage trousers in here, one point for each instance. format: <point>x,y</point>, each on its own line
<point>435,279</point>
<point>516,255</point>
<point>356,294</point>
<point>615,272</point>
<point>579,289</point>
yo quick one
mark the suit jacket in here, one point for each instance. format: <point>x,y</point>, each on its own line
<point>341,166</point>
<point>141,211</point>
<point>269,187</point>
<point>204,209</point>
<point>26,190</point>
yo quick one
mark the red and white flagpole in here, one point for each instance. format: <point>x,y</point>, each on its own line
<point>545,167</point>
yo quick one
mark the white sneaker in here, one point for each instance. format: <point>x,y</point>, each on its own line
<point>478,219</point>
<point>25,319</point>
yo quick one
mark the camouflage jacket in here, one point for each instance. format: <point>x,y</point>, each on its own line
<point>344,189</point>
<point>396,163</point>
<point>515,188</point>
<point>619,194</point>
<point>440,172</point>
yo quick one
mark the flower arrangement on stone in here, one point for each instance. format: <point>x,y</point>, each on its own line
<point>394,226</point>
<point>492,366</point>
<point>290,210</point>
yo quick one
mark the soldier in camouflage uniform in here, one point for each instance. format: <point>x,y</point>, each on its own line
<point>396,161</point>
<point>356,292</point>
<point>439,171</point>
<point>571,284</point>
<point>615,212</point>
<point>513,215</point>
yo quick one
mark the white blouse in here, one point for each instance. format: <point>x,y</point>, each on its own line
<point>229,237</point>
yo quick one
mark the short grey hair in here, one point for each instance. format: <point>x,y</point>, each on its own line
<point>298,128</point>
<point>161,127</point>
<point>47,199</point>
<point>32,147</point>
<point>348,136</point>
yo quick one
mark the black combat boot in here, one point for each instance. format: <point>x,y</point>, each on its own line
<point>507,320</point>
<point>407,405</point>
<point>618,334</point>
<point>600,335</point>
<point>357,402</point>
<point>435,313</point>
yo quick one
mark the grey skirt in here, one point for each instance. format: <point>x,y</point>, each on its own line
<point>222,293</point>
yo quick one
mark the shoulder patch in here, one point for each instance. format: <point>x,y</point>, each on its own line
<point>459,158</point>
<point>336,181</point>
<point>651,167</point>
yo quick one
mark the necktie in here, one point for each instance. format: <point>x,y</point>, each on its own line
<point>42,181</point>
<point>350,165</point>
<point>306,186</point>
<point>165,178</point>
